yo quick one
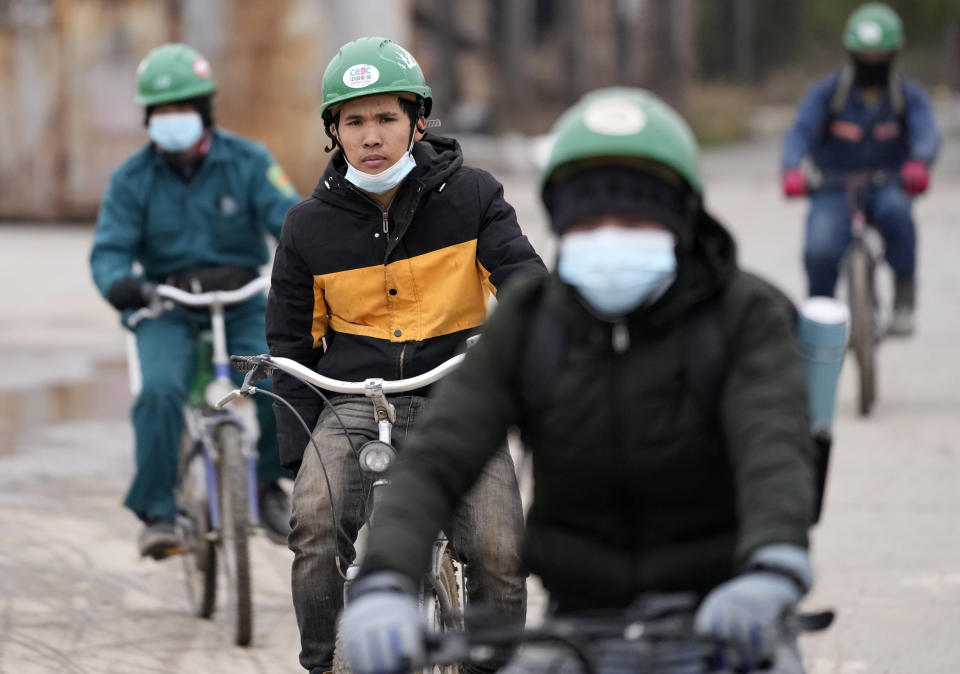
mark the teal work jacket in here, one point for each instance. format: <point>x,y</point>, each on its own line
<point>152,215</point>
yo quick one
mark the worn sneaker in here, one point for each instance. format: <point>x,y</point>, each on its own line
<point>902,324</point>
<point>158,540</point>
<point>274,511</point>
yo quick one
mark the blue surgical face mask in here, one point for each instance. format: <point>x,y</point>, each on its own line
<point>176,131</point>
<point>387,179</point>
<point>617,269</point>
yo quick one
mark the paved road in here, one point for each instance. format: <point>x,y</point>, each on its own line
<point>75,598</point>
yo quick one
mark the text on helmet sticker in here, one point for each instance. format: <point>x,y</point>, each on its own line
<point>614,117</point>
<point>869,32</point>
<point>360,76</point>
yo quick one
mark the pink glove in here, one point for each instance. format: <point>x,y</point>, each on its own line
<point>795,182</point>
<point>916,177</point>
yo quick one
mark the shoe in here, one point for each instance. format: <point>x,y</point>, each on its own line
<point>158,539</point>
<point>274,511</point>
<point>902,323</point>
<point>904,300</point>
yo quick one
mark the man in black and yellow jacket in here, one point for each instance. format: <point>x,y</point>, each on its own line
<point>384,272</point>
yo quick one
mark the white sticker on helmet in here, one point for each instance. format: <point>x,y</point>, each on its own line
<point>201,68</point>
<point>360,76</point>
<point>614,117</point>
<point>869,32</point>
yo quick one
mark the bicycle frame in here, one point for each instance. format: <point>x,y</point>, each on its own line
<point>202,424</point>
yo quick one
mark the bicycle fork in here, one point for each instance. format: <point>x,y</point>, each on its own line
<point>221,373</point>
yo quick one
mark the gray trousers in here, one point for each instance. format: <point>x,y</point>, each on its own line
<point>486,530</point>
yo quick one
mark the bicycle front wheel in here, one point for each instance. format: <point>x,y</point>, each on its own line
<point>863,337</point>
<point>235,525</point>
<point>445,605</point>
<point>193,526</point>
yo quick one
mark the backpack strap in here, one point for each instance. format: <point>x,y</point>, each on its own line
<point>705,354</point>
<point>897,97</point>
<point>840,94</point>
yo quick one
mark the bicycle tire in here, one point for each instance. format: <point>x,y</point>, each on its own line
<point>192,526</point>
<point>863,338</point>
<point>452,610</point>
<point>447,582</point>
<point>235,526</point>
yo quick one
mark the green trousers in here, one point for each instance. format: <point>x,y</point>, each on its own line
<point>168,362</point>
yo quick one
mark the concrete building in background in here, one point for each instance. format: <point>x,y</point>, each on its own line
<point>67,73</point>
<point>67,70</point>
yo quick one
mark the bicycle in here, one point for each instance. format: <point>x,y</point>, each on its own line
<point>216,492</point>
<point>869,319</point>
<point>439,595</point>
<point>624,640</point>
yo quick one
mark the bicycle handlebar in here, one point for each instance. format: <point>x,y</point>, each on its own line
<point>269,364</point>
<point>457,646</point>
<point>173,294</point>
<point>877,178</point>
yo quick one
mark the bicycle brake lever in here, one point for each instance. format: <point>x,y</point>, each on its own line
<point>229,398</point>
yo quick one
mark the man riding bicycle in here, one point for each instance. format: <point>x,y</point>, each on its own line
<point>191,208</point>
<point>384,271</point>
<point>865,117</point>
<point>641,485</point>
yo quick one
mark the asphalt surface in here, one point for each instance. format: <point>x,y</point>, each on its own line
<point>75,598</point>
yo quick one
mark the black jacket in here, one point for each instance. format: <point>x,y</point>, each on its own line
<point>392,293</point>
<point>636,486</point>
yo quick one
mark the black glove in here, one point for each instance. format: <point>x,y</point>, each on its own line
<point>129,293</point>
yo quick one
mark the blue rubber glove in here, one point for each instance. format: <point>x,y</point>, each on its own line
<point>747,611</point>
<point>383,630</point>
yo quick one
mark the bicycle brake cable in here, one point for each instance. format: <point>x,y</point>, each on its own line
<point>337,529</point>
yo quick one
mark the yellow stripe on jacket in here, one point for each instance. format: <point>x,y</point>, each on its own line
<point>425,296</point>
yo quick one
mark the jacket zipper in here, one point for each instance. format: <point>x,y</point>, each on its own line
<point>403,350</point>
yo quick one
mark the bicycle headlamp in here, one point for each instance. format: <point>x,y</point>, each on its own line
<point>376,457</point>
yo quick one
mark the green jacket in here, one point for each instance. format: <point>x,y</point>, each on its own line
<point>152,215</point>
<point>636,487</point>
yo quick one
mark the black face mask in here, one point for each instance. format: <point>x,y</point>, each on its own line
<point>871,74</point>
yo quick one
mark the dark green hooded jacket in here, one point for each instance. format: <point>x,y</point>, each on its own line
<point>636,486</point>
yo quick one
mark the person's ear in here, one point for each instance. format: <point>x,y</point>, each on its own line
<point>333,131</point>
<point>421,129</point>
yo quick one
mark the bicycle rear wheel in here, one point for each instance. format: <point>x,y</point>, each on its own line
<point>863,334</point>
<point>192,526</point>
<point>234,516</point>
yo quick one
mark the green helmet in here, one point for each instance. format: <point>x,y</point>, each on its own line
<point>624,123</point>
<point>873,27</point>
<point>373,65</point>
<point>173,72</point>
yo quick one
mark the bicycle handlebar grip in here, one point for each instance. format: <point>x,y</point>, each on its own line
<point>244,363</point>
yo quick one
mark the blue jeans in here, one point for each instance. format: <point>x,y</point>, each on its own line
<point>828,234</point>
<point>486,530</point>
<point>167,347</point>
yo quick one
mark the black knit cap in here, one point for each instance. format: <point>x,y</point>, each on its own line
<point>611,189</point>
